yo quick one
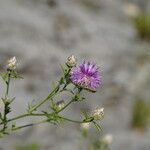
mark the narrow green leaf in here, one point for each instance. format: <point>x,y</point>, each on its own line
<point>98,127</point>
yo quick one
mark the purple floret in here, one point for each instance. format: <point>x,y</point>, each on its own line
<point>86,76</point>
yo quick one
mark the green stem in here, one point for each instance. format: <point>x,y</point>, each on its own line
<point>50,96</point>
<point>32,124</point>
<point>28,125</point>
<point>23,116</point>
<point>7,85</point>
<point>73,99</point>
<point>5,102</point>
<point>27,115</point>
<point>18,117</point>
<point>70,120</point>
<point>37,106</point>
<point>43,121</point>
<point>65,106</point>
<point>47,98</point>
<point>56,89</point>
<point>34,108</point>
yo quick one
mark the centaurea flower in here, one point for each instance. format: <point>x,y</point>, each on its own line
<point>86,75</point>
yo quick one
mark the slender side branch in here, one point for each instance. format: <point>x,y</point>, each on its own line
<point>47,98</point>
<point>44,121</point>
<point>28,125</point>
<point>65,106</point>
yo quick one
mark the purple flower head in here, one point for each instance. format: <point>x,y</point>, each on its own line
<point>87,76</point>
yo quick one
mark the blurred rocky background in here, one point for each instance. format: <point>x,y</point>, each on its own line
<point>113,33</point>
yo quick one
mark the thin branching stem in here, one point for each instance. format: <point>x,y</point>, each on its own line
<point>50,117</point>
<point>45,120</point>
<point>46,99</point>
<point>27,125</point>
<point>5,101</point>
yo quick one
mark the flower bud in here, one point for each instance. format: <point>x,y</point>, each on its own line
<point>12,63</point>
<point>98,113</point>
<point>71,61</point>
<point>85,126</point>
<point>60,104</point>
<point>107,139</point>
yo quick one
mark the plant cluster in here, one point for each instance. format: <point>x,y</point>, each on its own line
<point>142,25</point>
<point>141,114</point>
<point>86,76</point>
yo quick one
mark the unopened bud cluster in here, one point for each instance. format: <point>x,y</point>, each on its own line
<point>12,63</point>
<point>71,61</point>
<point>98,113</point>
<point>60,104</point>
<point>85,126</point>
<point>107,139</point>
